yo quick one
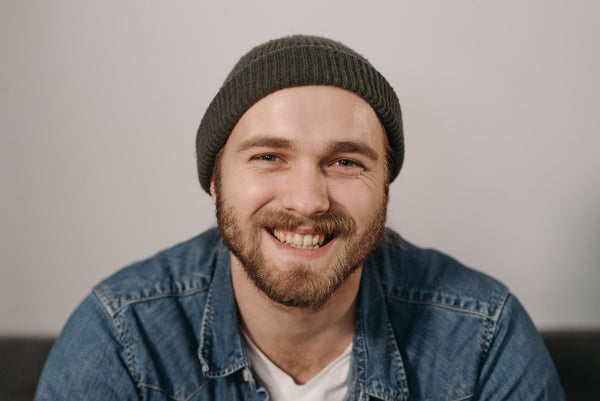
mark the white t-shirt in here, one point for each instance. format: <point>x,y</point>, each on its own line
<point>330,384</point>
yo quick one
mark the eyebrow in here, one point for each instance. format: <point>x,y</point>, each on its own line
<point>353,147</point>
<point>265,142</point>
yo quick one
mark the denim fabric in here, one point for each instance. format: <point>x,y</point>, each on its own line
<point>427,328</point>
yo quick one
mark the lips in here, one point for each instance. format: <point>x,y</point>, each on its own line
<point>302,241</point>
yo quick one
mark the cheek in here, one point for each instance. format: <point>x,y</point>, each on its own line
<point>361,199</point>
<point>249,190</point>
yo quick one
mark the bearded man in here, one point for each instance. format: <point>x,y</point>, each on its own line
<point>301,293</point>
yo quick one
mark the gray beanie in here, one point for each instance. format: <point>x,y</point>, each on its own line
<point>295,61</point>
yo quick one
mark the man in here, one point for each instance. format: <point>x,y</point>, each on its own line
<point>301,294</point>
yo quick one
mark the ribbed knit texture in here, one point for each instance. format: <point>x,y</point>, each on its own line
<point>295,61</point>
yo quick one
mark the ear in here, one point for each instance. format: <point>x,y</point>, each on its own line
<point>213,191</point>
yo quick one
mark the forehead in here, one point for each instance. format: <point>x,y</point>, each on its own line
<point>311,115</point>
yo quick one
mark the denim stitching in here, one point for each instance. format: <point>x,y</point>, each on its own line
<point>487,334</point>
<point>156,388</point>
<point>464,398</point>
<point>158,296</point>
<point>228,370</point>
<point>206,318</point>
<point>492,322</point>
<point>491,326</point>
<point>379,393</point>
<point>128,345</point>
<point>431,303</point>
<point>364,342</point>
<point>105,300</point>
<point>397,359</point>
<point>500,302</point>
<point>207,322</point>
<point>122,330</point>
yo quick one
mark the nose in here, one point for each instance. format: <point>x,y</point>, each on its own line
<point>305,191</point>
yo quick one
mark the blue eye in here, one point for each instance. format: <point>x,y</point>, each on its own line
<point>269,157</point>
<point>346,163</point>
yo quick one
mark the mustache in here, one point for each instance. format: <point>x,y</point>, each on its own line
<point>327,223</point>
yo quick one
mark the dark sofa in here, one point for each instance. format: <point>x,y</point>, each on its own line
<point>575,353</point>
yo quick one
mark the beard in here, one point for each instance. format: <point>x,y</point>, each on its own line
<point>307,285</point>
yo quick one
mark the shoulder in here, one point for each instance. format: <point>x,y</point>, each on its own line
<point>180,270</point>
<point>134,323</point>
<point>459,331</point>
<point>426,276</point>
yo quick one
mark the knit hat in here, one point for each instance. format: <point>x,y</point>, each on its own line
<point>295,61</point>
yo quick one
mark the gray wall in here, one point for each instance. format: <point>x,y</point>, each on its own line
<point>100,101</point>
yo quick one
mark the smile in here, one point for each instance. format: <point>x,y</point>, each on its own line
<point>302,241</point>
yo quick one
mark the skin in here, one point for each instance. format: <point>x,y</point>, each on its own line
<point>303,152</point>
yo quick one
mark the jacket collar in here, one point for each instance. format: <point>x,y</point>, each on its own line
<point>378,367</point>
<point>221,348</point>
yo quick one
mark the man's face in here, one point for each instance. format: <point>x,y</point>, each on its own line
<point>301,191</point>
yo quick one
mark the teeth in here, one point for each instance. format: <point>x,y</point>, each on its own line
<point>300,241</point>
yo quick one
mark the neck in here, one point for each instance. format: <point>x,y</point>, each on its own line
<point>299,341</point>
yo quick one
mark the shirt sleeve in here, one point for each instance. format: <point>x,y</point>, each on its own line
<point>89,361</point>
<point>517,365</point>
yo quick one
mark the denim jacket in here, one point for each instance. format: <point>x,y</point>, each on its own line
<point>427,328</point>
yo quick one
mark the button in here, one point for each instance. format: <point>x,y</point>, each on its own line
<point>246,375</point>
